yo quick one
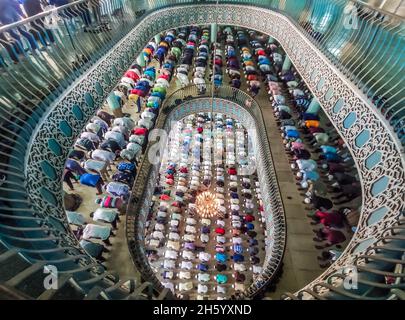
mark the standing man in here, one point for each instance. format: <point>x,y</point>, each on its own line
<point>10,12</point>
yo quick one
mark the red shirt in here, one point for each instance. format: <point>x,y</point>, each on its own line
<point>220,231</point>
<point>139,131</point>
<point>334,236</point>
<point>131,74</point>
<point>137,92</point>
<point>329,218</point>
<point>232,171</point>
<point>218,62</point>
<point>164,76</point>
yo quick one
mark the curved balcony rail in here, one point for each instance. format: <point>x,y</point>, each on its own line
<point>36,92</point>
<point>242,108</point>
<point>41,56</point>
<point>378,274</point>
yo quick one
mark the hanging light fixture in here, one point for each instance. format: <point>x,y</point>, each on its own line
<point>206,204</point>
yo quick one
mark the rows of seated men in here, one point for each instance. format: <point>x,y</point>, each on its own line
<point>187,57</point>
<point>201,61</point>
<point>216,65</point>
<point>107,142</point>
<point>232,60</point>
<point>258,61</point>
<point>191,242</point>
<point>324,169</point>
<point>347,188</point>
<point>168,52</point>
<point>182,73</point>
<point>92,167</point>
<point>249,65</point>
<point>263,57</point>
<point>261,62</point>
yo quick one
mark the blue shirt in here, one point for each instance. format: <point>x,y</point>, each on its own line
<point>93,249</point>
<point>292,134</point>
<point>221,278</point>
<point>10,11</point>
<point>238,258</point>
<point>237,248</point>
<point>311,175</point>
<point>328,149</point>
<point>250,226</point>
<point>74,166</point>
<point>331,156</point>
<point>307,165</point>
<point>89,179</point>
<point>126,166</point>
<point>58,3</point>
<point>288,128</point>
<point>221,257</point>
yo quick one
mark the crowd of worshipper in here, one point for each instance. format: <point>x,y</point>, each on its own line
<point>232,60</point>
<point>216,65</point>
<point>249,47</point>
<point>188,245</point>
<point>189,57</point>
<point>324,168</point>
<point>106,155</point>
<point>329,181</point>
<point>201,61</point>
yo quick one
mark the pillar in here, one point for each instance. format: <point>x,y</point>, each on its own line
<point>141,60</point>
<point>157,38</point>
<point>314,106</point>
<point>286,64</point>
<point>214,31</point>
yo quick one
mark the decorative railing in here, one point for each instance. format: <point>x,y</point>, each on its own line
<point>46,100</point>
<point>377,274</point>
<point>231,102</point>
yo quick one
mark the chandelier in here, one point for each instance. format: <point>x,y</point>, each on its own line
<point>206,204</point>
